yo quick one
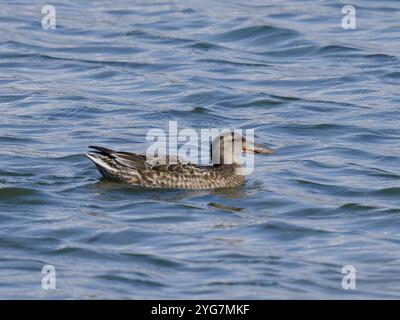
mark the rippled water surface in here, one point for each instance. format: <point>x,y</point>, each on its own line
<point>327,99</point>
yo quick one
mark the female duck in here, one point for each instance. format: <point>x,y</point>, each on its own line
<point>135,169</point>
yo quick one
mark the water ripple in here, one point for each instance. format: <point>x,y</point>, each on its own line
<point>326,99</point>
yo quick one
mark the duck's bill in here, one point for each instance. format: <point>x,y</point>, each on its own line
<point>256,148</point>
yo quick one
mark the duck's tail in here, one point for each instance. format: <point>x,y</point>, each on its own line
<point>104,161</point>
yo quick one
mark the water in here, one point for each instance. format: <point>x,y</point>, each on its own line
<point>327,99</point>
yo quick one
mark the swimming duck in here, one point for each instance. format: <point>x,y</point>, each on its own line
<point>136,169</point>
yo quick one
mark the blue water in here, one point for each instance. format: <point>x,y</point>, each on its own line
<point>327,99</point>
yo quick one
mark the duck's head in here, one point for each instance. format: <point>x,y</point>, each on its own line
<point>228,147</point>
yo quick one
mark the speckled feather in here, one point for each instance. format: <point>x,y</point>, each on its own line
<point>134,169</point>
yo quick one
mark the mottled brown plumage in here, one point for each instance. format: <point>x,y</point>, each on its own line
<point>136,169</point>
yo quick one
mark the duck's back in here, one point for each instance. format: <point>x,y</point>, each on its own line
<point>133,169</point>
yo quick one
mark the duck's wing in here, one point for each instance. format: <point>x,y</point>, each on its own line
<point>176,165</point>
<point>127,159</point>
<point>140,162</point>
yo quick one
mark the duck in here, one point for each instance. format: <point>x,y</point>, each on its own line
<point>226,170</point>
